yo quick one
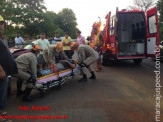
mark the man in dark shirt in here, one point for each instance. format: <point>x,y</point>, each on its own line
<point>8,65</point>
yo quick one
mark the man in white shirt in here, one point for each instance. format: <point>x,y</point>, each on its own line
<point>43,43</point>
<point>18,40</point>
<point>57,38</point>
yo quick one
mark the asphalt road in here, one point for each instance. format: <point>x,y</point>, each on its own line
<point>123,92</point>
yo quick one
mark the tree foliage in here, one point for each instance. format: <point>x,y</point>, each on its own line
<point>46,26</point>
<point>22,12</point>
<point>142,4</point>
<point>161,31</point>
<point>67,21</point>
<point>30,18</point>
<point>160,9</point>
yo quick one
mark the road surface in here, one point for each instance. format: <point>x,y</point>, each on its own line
<point>123,92</point>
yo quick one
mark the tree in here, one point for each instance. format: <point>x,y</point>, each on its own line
<point>161,31</point>
<point>21,13</point>
<point>47,25</point>
<point>60,31</point>
<point>30,18</point>
<point>160,9</point>
<point>67,21</point>
<point>143,5</point>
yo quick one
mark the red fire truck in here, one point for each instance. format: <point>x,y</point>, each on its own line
<point>128,35</point>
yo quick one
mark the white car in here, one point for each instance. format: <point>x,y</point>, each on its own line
<point>28,47</point>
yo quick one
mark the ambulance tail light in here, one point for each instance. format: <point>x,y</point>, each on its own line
<point>108,47</point>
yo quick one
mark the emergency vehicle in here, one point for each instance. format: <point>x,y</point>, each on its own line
<point>128,35</point>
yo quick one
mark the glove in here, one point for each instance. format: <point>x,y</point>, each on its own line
<point>81,64</point>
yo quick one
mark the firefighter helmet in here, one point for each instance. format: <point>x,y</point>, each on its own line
<point>36,47</point>
<point>74,44</point>
<point>59,46</point>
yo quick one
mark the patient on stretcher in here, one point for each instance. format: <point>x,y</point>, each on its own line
<point>63,65</point>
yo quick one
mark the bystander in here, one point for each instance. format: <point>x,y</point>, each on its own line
<point>67,41</point>
<point>7,67</point>
<point>18,41</point>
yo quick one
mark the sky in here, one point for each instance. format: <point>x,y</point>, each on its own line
<point>87,11</point>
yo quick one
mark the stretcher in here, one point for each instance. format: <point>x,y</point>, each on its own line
<point>56,79</point>
<point>50,80</point>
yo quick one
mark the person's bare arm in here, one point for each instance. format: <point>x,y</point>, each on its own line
<point>70,64</point>
<point>2,73</point>
<point>70,43</point>
<point>63,42</point>
<point>84,42</point>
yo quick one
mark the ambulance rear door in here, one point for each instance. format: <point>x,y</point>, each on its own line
<point>152,32</point>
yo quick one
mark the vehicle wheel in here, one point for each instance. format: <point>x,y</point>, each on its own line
<point>137,61</point>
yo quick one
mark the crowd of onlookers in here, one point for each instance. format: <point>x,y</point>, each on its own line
<point>20,42</point>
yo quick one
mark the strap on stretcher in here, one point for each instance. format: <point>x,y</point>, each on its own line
<point>55,71</point>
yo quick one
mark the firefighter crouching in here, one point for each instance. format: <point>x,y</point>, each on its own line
<point>27,70</point>
<point>53,54</point>
<point>87,56</point>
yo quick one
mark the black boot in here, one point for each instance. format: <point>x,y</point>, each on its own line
<point>26,96</point>
<point>93,76</point>
<point>19,86</point>
<point>84,78</point>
